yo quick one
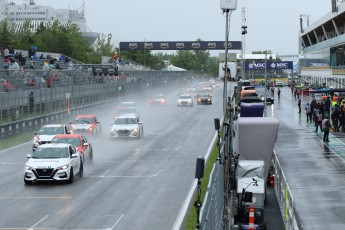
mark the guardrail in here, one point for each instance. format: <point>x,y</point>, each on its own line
<point>25,102</point>
<point>284,196</point>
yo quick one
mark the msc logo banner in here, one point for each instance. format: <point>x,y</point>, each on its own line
<point>270,65</point>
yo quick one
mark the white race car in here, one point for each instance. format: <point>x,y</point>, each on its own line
<point>53,162</point>
<point>127,125</point>
<point>185,100</point>
<point>46,134</point>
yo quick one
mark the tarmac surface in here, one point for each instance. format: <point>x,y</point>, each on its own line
<point>314,169</point>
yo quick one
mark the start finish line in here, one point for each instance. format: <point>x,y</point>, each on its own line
<point>182,45</point>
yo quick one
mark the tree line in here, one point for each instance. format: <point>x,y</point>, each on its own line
<point>68,40</point>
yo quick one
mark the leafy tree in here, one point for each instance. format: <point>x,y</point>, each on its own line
<point>6,37</point>
<point>184,59</point>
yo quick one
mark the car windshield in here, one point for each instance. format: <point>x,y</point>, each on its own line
<point>84,120</point>
<point>126,110</point>
<point>48,153</point>
<point>127,104</point>
<point>125,121</point>
<point>203,95</point>
<point>73,141</point>
<point>159,97</point>
<point>51,130</point>
<point>185,97</point>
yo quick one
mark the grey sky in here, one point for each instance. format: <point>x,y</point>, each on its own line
<point>272,24</point>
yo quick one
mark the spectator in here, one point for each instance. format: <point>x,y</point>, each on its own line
<point>62,57</point>
<point>57,66</point>
<point>326,125</point>
<point>6,86</point>
<point>45,65</point>
<point>14,65</point>
<point>299,104</point>
<point>31,63</point>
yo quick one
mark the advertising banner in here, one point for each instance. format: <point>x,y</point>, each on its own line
<point>182,45</point>
<point>274,65</point>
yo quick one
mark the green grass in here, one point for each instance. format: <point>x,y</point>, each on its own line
<point>192,216</point>
<point>16,140</point>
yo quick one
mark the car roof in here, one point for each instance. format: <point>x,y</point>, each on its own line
<point>55,145</point>
<point>54,125</point>
<point>185,95</point>
<point>128,115</point>
<point>127,102</point>
<point>85,116</point>
<point>68,136</point>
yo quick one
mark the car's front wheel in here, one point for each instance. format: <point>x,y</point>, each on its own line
<point>71,176</point>
<point>81,169</point>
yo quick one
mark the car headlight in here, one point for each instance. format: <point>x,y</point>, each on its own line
<point>90,129</point>
<point>199,99</point>
<point>209,99</point>
<point>112,130</point>
<point>63,167</point>
<point>27,167</point>
<point>135,130</point>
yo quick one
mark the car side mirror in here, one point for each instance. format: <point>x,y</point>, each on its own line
<point>97,121</point>
<point>35,133</point>
<point>111,123</point>
<point>86,144</point>
<point>74,155</point>
<point>140,123</point>
<point>29,156</point>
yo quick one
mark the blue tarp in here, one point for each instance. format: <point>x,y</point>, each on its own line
<point>252,109</point>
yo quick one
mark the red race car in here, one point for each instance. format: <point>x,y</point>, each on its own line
<point>159,100</point>
<point>87,124</point>
<point>79,141</point>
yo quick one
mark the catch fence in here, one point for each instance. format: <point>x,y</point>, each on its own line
<point>28,94</point>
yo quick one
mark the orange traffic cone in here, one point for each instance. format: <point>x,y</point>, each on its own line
<point>251,218</point>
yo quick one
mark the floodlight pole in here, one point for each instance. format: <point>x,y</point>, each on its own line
<point>265,81</point>
<point>225,90</point>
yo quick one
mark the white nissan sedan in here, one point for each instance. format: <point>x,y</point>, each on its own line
<point>185,100</point>
<point>53,162</point>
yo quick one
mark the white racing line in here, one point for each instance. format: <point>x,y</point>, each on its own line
<point>14,147</point>
<point>183,211</point>
<point>116,223</point>
<point>40,221</point>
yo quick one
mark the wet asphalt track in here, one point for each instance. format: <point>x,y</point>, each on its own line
<point>130,184</point>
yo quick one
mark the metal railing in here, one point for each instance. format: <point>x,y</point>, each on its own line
<point>28,94</point>
<point>284,195</point>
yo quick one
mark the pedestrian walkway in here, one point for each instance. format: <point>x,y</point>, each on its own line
<point>314,170</point>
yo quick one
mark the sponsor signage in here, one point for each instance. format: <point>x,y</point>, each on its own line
<point>202,45</point>
<point>270,65</point>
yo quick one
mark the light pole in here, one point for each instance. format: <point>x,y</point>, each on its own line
<point>144,52</point>
<point>227,7</point>
<point>265,81</point>
<point>226,11</point>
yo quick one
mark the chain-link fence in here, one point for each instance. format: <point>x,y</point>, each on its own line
<point>28,94</point>
<point>213,207</point>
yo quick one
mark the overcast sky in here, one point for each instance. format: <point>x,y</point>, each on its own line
<point>272,24</point>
